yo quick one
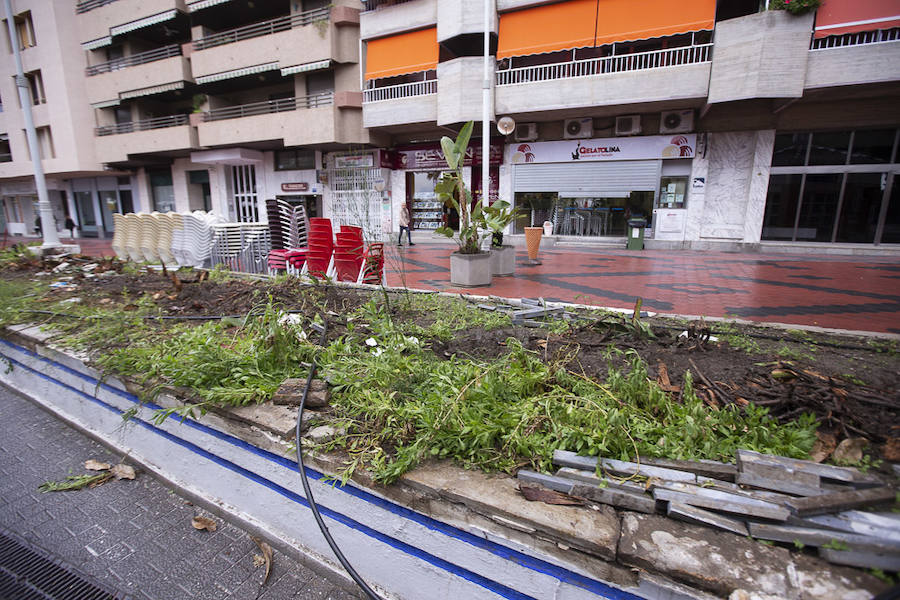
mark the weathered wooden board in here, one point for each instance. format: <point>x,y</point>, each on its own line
<point>838,501</point>
<point>844,524</point>
<point>863,560</point>
<point>822,537</point>
<point>570,459</point>
<point>590,477</point>
<point>721,501</point>
<point>704,468</point>
<point>782,484</point>
<point>693,514</point>
<point>747,459</point>
<point>548,481</point>
<point>626,499</point>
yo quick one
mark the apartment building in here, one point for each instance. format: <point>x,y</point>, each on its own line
<point>173,105</point>
<point>723,125</point>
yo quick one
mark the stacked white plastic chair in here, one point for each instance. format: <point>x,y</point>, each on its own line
<point>165,222</point>
<point>118,241</point>
<point>132,237</point>
<point>195,238</point>
<point>241,246</point>
<point>149,236</point>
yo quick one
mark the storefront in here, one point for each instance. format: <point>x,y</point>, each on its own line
<point>416,170</point>
<point>96,199</point>
<point>590,188</point>
<point>19,206</point>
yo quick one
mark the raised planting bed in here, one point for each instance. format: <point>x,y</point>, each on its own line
<point>417,381</point>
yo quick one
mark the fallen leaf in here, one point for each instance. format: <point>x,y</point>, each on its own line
<point>823,447</point>
<point>539,494</point>
<point>850,451</point>
<point>541,344</point>
<point>105,300</point>
<point>258,560</point>
<point>201,523</point>
<point>663,377</point>
<point>122,471</point>
<point>96,465</point>
<point>891,450</point>
<point>266,556</point>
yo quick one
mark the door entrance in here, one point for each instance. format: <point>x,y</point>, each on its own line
<point>243,189</point>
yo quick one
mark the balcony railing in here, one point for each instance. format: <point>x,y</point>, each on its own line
<point>402,90</point>
<point>135,59</point>
<point>654,59</point>
<point>157,123</point>
<point>376,4</point>
<point>270,106</point>
<point>856,39</point>
<point>86,5</point>
<point>264,28</point>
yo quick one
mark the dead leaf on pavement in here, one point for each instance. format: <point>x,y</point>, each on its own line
<point>266,556</point>
<point>539,494</point>
<point>258,560</point>
<point>201,523</point>
<point>122,471</point>
<point>96,465</point>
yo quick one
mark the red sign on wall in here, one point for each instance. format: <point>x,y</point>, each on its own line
<point>301,186</point>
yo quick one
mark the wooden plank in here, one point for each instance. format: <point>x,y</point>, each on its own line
<point>590,478</point>
<point>811,480</point>
<point>715,484</point>
<point>848,474</point>
<point>784,484</point>
<point>693,514</point>
<point>705,468</point>
<point>626,499</point>
<point>844,524</point>
<point>548,481</point>
<point>722,501</point>
<point>887,520</point>
<point>838,501</point>
<point>863,560</point>
<point>620,467</point>
<point>822,537</point>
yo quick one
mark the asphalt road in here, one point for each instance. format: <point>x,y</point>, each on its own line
<point>133,536</point>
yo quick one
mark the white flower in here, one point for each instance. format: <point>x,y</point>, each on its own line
<point>371,342</point>
<point>412,340</point>
<point>377,351</point>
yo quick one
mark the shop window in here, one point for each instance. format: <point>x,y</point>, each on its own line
<point>819,207</point>
<point>672,192</point>
<point>859,210</point>
<point>162,190</point>
<point>428,212</point>
<point>872,147</point>
<point>781,207</point>
<point>790,149</point>
<point>829,148</point>
<point>295,159</point>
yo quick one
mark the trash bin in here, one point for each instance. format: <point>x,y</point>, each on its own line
<point>636,228</point>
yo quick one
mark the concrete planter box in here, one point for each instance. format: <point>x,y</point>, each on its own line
<point>503,260</point>
<point>470,270</point>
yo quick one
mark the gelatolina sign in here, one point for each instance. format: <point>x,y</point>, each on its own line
<point>634,148</point>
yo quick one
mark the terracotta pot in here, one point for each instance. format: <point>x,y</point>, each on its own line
<point>533,240</point>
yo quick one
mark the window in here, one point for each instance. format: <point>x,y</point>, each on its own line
<point>13,210</point>
<point>295,159</point>
<point>36,87</point>
<point>25,30</point>
<point>162,190</point>
<point>5,150</point>
<point>46,148</point>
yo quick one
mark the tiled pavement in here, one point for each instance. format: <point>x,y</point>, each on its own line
<point>134,536</point>
<point>841,292</point>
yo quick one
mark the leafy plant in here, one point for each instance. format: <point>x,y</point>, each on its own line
<point>452,191</point>
<point>796,7</point>
<point>496,217</point>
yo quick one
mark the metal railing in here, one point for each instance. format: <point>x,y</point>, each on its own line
<point>269,106</point>
<point>401,90</point>
<point>376,4</point>
<point>135,59</point>
<point>856,39</point>
<point>654,59</point>
<point>86,5</point>
<point>157,123</point>
<point>265,28</point>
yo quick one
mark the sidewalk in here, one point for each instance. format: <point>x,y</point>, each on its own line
<point>856,293</point>
<point>133,536</point>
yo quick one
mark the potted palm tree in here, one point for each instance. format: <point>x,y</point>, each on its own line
<point>496,217</point>
<point>469,266</point>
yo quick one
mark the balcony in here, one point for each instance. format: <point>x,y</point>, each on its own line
<point>98,19</point>
<point>304,120</point>
<point>145,71</point>
<point>292,40</point>
<point>414,102</point>
<point>386,18</point>
<point>657,75</point>
<point>854,59</point>
<point>117,143</point>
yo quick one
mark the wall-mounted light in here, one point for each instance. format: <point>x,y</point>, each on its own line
<point>506,125</point>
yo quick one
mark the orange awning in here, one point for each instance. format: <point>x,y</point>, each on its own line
<point>401,54</point>
<point>836,17</point>
<point>584,23</point>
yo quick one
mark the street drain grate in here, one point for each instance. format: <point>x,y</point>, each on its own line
<point>28,572</point>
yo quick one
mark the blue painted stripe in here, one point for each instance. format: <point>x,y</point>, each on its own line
<point>564,575</point>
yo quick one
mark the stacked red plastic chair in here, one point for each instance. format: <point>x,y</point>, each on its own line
<point>348,253</point>
<point>320,248</point>
<point>288,232</point>
<point>373,264</point>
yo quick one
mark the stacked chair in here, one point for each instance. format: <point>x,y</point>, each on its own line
<point>241,246</point>
<point>373,265</point>
<point>149,236</point>
<point>288,227</point>
<point>165,223</point>
<point>119,236</point>
<point>132,236</point>
<point>192,238</point>
<point>348,253</point>
<point>320,249</point>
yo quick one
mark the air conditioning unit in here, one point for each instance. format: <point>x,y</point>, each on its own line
<point>578,128</point>
<point>525,132</point>
<point>628,125</point>
<point>676,121</point>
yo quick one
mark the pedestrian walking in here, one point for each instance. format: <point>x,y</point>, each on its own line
<point>70,225</point>
<point>404,224</point>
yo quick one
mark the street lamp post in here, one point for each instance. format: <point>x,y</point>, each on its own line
<point>48,224</point>
<point>485,109</point>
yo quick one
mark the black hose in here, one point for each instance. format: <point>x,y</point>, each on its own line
<point>308,492</point>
